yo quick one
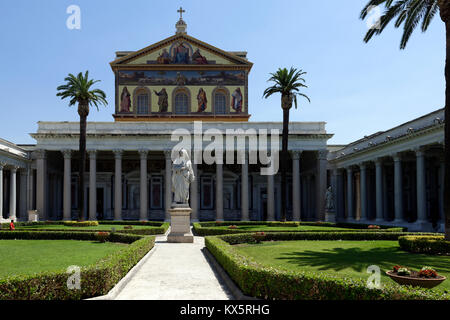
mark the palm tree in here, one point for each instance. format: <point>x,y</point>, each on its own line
<point>78,89</point>
<point>409,14</point>
<point>287,83</point>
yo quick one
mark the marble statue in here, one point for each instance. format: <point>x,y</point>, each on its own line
<point>182,176</point>
<point>329,199</point>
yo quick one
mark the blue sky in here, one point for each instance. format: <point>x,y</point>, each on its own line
<point>357,88</point>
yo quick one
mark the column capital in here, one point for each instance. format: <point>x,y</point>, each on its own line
<point>420,152</point>
<point>296,154</point>
<point>40,154</point>
<point>143,154</point>
<point>362,166</point>
<point>322,154</point>
<point>378,162</point>
<point>2,164</point>
<point>168,154</point>
<point>118,153</point>
<point>397,157</point>
<point>14,169</point>
<point>67,153</point>
<point>92,154</point>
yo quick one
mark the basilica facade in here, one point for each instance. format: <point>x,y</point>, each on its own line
<point>393,177</point>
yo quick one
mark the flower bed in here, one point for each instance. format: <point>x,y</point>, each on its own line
<point>266,282</point>
<point>427,277</point>
<point>233,227</point>
<point>425,244</point>
<point>96,279</point>
<point>153,227</point>
<point>80,223</point>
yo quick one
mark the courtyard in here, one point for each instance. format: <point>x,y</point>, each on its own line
<point>267,160</point>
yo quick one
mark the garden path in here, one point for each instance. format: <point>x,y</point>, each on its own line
<point>175,271</point>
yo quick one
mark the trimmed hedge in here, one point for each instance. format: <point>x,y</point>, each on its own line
<point>96,279</point>
<point>147,231</point>
<point>80,223</point>
<point>210,228</point>
<point>313,235</point>
<point>266,282</point>
<point>425,244</point>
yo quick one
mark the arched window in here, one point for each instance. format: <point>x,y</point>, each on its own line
<point>142,104</point>
<point>181,103</point>
<point>221,100</point>
<point>220,103</point>
<point>141,100</point>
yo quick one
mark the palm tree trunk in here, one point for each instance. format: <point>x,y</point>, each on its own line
<point>447,132</point>
<point>82,168</point>
<point>284,162</point>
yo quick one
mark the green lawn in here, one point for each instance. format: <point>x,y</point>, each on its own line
<point>106,227</point>
<point>24,257</point>
<point>254,228</point>
<point>346,258</point>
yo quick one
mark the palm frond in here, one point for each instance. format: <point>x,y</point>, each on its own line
<point>409,13</point>
<point>78,89</point>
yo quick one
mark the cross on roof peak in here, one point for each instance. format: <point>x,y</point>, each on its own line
<point>181,11</point>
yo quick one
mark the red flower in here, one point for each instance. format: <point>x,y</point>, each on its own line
<point>396,267</point>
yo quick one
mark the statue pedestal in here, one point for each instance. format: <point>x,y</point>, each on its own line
<point>330,216</point>
<point>180,224</point>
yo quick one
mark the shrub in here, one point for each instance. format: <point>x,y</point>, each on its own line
<point>427,272</point>
<point>102,236</point>
<point>209,228</point>
<point>270,283</point>
<point>258,236</point>
<point>96,279</point>
<point>80,223</point>
<point>286,236</point>
<point>429,244</point>
<point>403,271</point>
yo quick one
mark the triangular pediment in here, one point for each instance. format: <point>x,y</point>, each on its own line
<point>180,49</point>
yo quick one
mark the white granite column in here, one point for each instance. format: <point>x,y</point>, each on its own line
<point>194,194</point>
<point>363,187</point>
<point>321,183</point>
<point>441,189</point>
<point>349,193</point>
<point>41,183</point>
<point>29,188</point>
<point>12,194</point>
<point>118,185</point>
<point>421,187</point>
<point>92,184</point>
<point>379,189</point>
<point>67,185</point>
<point>339,192</point>
<point>23,194</point>
<point>2,165</point>
<point>168,183</point>
<point>143,187</point>
<point>271,197</point>
<point>398,189</point>
<point>219,192</point>
<point>296,200</point>
<point>244,189</point>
